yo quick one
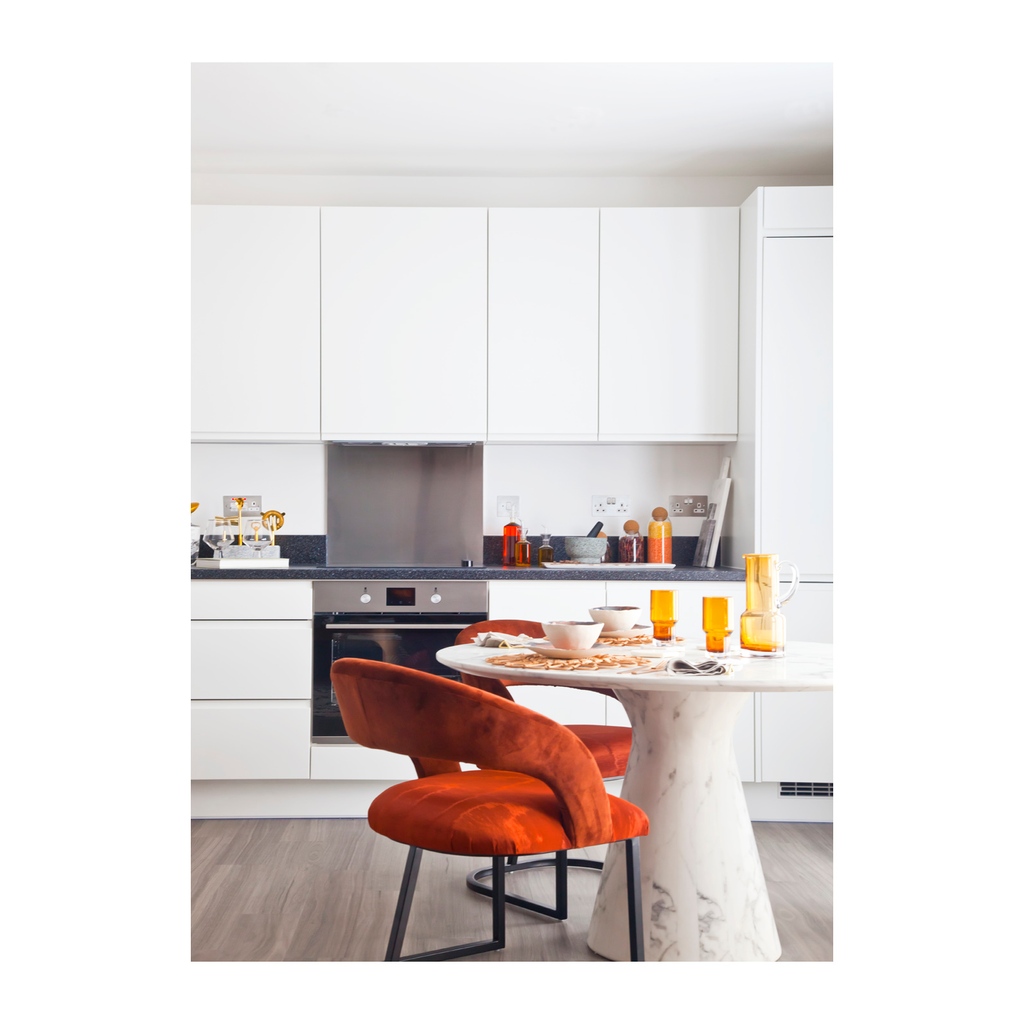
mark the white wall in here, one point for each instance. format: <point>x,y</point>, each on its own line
<point>350,190</point>
<point>554,483</point>
<point>289,478</point>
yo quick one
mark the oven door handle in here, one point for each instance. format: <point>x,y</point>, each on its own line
<point>392,626</point>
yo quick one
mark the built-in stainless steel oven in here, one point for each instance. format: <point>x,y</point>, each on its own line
<point>399,622</point>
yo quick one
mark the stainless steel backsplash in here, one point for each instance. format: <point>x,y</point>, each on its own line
<point>398,505</point>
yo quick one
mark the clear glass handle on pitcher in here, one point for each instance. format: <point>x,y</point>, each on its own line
<point>796,582</point>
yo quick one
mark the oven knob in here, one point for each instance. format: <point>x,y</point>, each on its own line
<point>365,598</point>
<point>435,598</point>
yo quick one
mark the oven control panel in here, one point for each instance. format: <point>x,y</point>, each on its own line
<point>399,597</point>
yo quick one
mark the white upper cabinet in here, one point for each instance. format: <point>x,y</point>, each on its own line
<point>542,324</point>
<point>668,324</point>
<point>404,330</point>
<point>255,323</point>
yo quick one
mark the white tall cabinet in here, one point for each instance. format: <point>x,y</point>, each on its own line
<point>255,323</point>
<point>404,331</point>
<point>781,497</point>
<point>668,324</point>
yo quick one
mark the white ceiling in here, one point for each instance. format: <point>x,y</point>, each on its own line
<point>513,119</point>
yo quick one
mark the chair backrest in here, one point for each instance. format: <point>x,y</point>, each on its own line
<point>514,627</point>
<point>425,716</point>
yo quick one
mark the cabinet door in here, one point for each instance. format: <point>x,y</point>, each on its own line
<point>404,336</point>
<point>251,599</point>
<point>256,660</point>
<point>690,608</point>
<point>544,600</point>
<point>669,294</point>
<point>796,403</point>
<point>796,728</point>
<point>542,324</point>
<point>250,739</point>
<point>255,323</point>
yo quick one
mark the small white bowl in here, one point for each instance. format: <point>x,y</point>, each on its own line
<point>616,616</point>
<point>572,636</point>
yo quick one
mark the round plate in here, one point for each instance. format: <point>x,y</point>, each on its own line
<point>544,647</point>
<point>618,634</point>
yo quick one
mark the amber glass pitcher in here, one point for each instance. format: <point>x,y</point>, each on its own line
<point>762,626</point>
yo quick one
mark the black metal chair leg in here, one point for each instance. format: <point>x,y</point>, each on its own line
<point>401,920</point>
<point>398,925</point>
<point>561,861</point>
<point>634,903</point>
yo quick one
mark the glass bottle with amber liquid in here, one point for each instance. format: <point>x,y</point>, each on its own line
<point>546,551</point>
<point>510,537</point>
<point>523,550</point>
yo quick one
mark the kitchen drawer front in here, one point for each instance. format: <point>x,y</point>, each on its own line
<point>251,660</point>
<point>796,737</point>
<point>252,599</point>
<point>250,739</point>
<point>351,761</point>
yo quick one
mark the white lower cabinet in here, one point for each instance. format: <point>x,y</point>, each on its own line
<point>251,679</point>
<point>250,739</point>
<point>796,728</point>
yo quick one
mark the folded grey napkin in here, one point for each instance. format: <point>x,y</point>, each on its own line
<point>705,668</point>
<point>502,640</point>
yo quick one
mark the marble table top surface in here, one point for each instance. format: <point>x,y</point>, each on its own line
<point>804,666</point>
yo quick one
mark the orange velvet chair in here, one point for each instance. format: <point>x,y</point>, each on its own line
<point>609,744</point>
<point>538,789</point>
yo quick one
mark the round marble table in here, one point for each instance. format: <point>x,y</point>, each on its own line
<point>704,895</point>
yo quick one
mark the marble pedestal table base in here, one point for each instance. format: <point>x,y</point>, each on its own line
<point>704,894</point>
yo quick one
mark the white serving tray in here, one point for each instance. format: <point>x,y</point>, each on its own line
<point>609,565</point>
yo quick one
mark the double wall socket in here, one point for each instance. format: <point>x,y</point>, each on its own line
<point>508,505</point>
<point>609,505</point>
<point>688,505</point>
<point>253,505</point>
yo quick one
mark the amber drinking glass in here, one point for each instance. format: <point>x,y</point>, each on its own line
<point>663,613</point>
<point>716,623</point>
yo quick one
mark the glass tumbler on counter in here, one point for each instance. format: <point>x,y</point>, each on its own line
<point>256,536</point>
<point>663,613</point>
<point>217,536</point>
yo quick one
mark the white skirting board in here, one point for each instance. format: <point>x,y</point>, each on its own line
<point>333,798</point>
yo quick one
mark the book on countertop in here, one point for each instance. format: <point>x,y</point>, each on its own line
<point>241,563</point>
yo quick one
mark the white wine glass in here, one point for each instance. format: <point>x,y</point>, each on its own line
<point>256,536</point>
<point>218,536</point>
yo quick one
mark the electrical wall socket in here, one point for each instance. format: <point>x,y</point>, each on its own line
<point>688,505</point>
<point>253,505</point>
<point>508,505</point>
<point>609,505</point>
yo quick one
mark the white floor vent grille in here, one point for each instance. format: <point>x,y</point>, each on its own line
<point>805,789</point>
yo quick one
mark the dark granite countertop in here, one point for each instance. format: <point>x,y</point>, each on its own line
<point>307,557</point>
<point>483,572</point>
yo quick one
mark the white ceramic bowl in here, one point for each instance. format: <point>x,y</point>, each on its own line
<point>616,616</point>
<point>573,636</point>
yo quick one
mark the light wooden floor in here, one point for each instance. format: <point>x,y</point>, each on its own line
<point>309,889</point>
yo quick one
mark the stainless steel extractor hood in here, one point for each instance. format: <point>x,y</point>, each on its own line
<point>404,504</point>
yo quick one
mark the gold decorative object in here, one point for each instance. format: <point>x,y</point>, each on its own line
<point>195,505</point>
<point>239,502</point>
<point>273,520</point>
